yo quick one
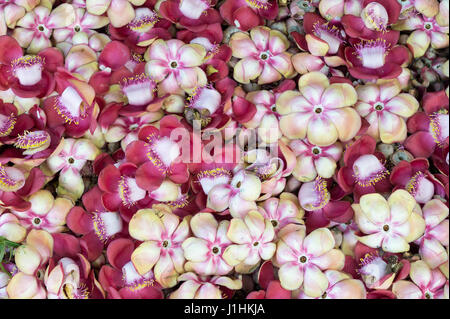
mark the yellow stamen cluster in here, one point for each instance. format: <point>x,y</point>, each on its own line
<point>219,171</point>
<point>412,185</point>
<point>435,127</point>
<point>26,141</point>
<point>8,126</point>
<point>257,4</point>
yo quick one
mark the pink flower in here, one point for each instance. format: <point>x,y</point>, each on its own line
<point>12,11</point>
<point>69,161</point>
<point>426,283</point>
<point>320,112</point>
<point>252,239</point>
<point>303,258</point>
<point>175,65</point>
<point>263,56</point>
<point>435,237</point>
<point>313,161</point>
<point>162,235</point>
<point>45,213</point>
<point>282,211</point>
<point>324,208</point>
<point>120,12</point>
<point>431,27</point>
<point>246,14</point>
<point>340,286</point>
<point>121,280</point>
<point>204,252</point>
<point>200,287</point>
<point>34,30</point>
<point>386,109</point>
<point>390,224</point>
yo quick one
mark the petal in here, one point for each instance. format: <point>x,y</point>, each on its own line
<point>402,204</point>
<point>315,282</point>
<point>204,226</point>
<point>395,244</point>
<point>375,208</point>
<point>291,276</point>
<point>406,290</point>
<point>145,225</point>
<point>247,69</point>
<point>322,131</point>
<point>319,242</point>
<point>145,256</point>
<point>403,104</point>
<point>346,121</point>
<point>420,274</point>
<point>195,249</point>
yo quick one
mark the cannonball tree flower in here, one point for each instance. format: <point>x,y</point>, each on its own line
<point>323,208</point>
<point>321,38</point>
<point>175,66</point>
<point>162,234</point>
<point>238,196</point>
<point>263,54</point>
<point>246,14</point>
<point>390,224</point>
<point>28,75</point>
<point>94,223</point>
<point>202,287</point>
<point>429,128</point>
<point>303,259</point>
<point>46,212</point>
<point>386,109</point>
<point>72,279</point>
<point>415,178</point>
<point>426,283</point>
<point>204,252</point>
<point>431,29</point>
<point>34,30</point>
<point>31,259</point>
<point>120,278</point>
<point>83,22</point>
<point>119,12</point>
<point>251,239</point>
<point>320,111</point>
<point>435,238</point>
<point>340,286</point>
<point>145,28</point>
<point>265,121</point>
<point>12,11</point>
<point>378,58</point>
<point>313,160</point>
<point>68,162</point>
<point>282,211</point>
<point>158,155</point>
<point>74,108</point>
<point>372,18</point>
<point>364,169</point>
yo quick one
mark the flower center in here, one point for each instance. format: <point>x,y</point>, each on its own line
<point>330,34</point>
<point>324,295</point>
<point>71,160</point>
<point>378,106</point>
<point>32,140</point>
<point>372,53</point>
<point>143,23</point>
<point>428,295</point>
<point>318,109</point>
<point>28,69</point>
<point>173,64</point>
<point>138,89</point>
<point>7,124</point>
<point>274,223</point>
<point>303,259</point>
<point>36,221</point>
<point>428,26</point>
<point>264,56</point>
<point>165,243</point>
<point>215,250</point>
<point>439,127</point>
<point>77,28</point>
<point>386,228</point>
<point>70,106</point>
<point>41,28</point>
<point>255,244</point>
<point>316,150</point>
<point>259,4</point>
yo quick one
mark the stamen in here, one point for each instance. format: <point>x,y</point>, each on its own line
<point>144,22</point>
<point>8,124</point>
<point>330,34</point>
<point>413,184</point>
<point>99,227</point>
<point>6,181</point>
<point>124,192</point>
<point>219,171</point>
<point>368,170</point>
<point>28,69</point>
<point>30,140</point>
<point>372,53</point>
<point>439,135</point>
<point>258,4</point>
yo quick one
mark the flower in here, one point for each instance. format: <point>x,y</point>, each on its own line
<point>204,252</point>
<point>320,111</point>
<point>198,287</point>
<point>120,12</point>
<point>175,65</point>
<point>69,161</point>
<point>303,258</point>
<point>426,283</point>
<point>252,239</point>
<point>45,213</point>
<point>386,110</point>
<point>246,14</point>
<point>162,235</point>
<point>34,30</point>
<point>263,56</point>
<point>390,224</point>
